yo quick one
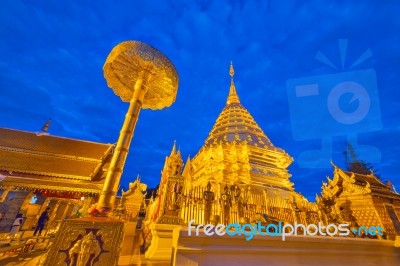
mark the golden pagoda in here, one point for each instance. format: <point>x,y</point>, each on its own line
<point>238,175</point>
<point>246,173</point>
<point>237,151</point>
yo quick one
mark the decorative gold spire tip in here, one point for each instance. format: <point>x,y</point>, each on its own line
<point>173,151</point>
<point>232,97</point>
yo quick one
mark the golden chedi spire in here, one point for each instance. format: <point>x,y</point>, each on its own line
<point>173,151</point>
<point>235,123</point>
<point>232,97</point>
<point>241,151</point>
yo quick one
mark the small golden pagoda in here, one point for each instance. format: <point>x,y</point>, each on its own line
<point>132,200</point>
<point>360,200</point>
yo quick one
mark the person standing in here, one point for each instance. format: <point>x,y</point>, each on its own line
<point>16,224</point>
<point>44,217</point>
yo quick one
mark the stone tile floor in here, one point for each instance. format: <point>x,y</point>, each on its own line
<point>32,258</point>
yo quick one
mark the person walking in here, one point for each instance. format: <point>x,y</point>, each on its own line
<point>16,224</point>
<point>44,217</point>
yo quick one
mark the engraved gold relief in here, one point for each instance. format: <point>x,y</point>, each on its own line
<point>86,241</point>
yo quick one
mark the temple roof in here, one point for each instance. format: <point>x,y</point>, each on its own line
<point>44,143</point>
<point>31,160</point>
<point>48,165</point>
<point>362,180</point>
<point>235,123</point>
<point>358,179</point>
<point>355,182</point>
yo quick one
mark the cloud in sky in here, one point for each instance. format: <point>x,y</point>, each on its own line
<point>52,53</point>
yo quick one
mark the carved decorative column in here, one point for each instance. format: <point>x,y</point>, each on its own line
<point>4,194</point>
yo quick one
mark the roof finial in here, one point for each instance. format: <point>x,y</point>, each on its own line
<point>231,71</point>
<point>173,151</point>
<point>232,97</point>
<point>45,127</point>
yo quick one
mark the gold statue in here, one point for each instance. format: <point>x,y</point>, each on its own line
<point>226,204</point>
<point>85,251</point>
<point>176,196</point>
<point>208,197</point>
<point>240,202</point>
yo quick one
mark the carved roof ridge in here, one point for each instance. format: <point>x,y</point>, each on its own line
<point>353,178</point>
<point>55,155</point>
<point>56,185</point>
<point>54,136</point>
<point>368,176</point>
<point>49,174</point>
<point>32,142</point>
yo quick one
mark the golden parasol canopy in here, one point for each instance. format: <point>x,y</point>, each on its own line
<point>133,60</point>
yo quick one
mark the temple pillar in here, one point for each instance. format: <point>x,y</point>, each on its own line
<point>11,209</point>
<point>25,204</point>
<point>4,194</point>
<point>164,241</point>
<point>130,243</point>
<point>53,213</point>
<point>30,212</point>
<point>59,213</point>
<point>28,198</point>
<point>67,210</point>
<point>46,204</point>
<point>397,242</point>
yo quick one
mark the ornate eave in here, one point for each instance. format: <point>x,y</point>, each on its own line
<point>51,156</point>
<point>41,162</point>
<point>349,183</point>
<point>50,165</point>
<point>23,183</point>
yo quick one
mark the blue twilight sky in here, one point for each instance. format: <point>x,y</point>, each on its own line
<point>52,53</point>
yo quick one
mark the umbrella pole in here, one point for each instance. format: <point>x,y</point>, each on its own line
<point>107,196</point>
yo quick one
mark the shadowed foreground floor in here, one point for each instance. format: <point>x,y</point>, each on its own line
<point>34,258</point>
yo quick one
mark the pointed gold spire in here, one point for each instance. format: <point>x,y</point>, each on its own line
<point>187,168</point>
<point>232,97</point>
<point>173,151</point>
